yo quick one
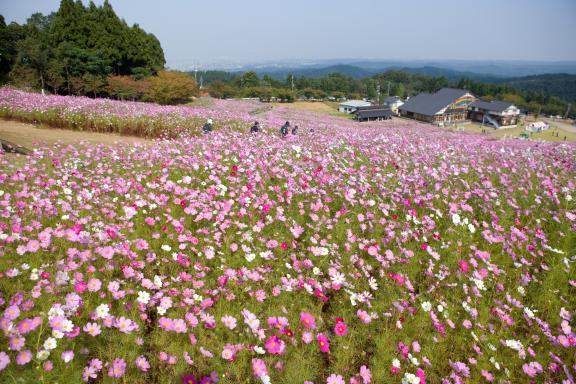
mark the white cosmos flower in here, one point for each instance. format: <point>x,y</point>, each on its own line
<point>456,219</point>
<point>50,343</point>
<point>410,378</point>
<point>143,297</point>
<point>102,311</point>
<point>372,283</point>
<point>338,278</point>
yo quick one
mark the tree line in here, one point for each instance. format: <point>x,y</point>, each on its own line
<point>88,50</point>
<point>376,88</point>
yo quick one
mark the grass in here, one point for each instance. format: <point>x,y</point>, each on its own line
<point>549,135</point>
<point>321,107</point>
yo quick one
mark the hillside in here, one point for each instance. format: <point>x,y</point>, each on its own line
<point>561,85</point>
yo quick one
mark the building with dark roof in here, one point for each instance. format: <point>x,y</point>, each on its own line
<point>443,107</point>
<point>393,102</point>
<point>373,113</point>
<point>496,113</point>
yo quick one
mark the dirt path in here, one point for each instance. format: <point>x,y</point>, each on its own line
<point>29,136</point>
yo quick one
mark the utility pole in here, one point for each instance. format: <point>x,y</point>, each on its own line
<point>378,93</point>
<point>292,82</point>
<point>567,110</point>
<point>388,91</point>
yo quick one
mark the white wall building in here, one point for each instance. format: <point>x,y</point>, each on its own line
<point>393,102</point>
<point>351,106</point>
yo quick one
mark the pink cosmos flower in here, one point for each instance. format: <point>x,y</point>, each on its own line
<point>93,329</point>
<point>94,285</point>
<point>4,360</point>
<point>274,345</point>
<point>32,246</point>
<point>340,329</point>
<point>24,357</point>
<point>421,375</point>
<point>67,356</point>
<point>532,369</point>
<point>323,343</point>
<point>259,368</point>
<point>12,312</point>
<point>307,337</point>
<point>308,320</point>
<point>142,364</point>
<point>48,366</point>
<point>365,374</point>
<point>487,375</point>
<point>228,354</point>
<point>118,368</point>
<point>188,379</point>
<point>28,325</point>
<point>229,322</point>
<point>335,379</point>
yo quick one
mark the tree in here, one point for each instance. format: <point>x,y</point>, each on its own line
<point>126,88</point>
<point>249,79</point>
<point>171,87</point>
<point>10,35</point>
<point>220,90</point>
<point>33,54</point>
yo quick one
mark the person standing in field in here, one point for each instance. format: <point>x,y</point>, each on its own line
<point>255,128</point>
<point>207,128</point>
<point>295,130</point>
<point>284,129</point>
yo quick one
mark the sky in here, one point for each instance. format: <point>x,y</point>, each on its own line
<point>221,33</point>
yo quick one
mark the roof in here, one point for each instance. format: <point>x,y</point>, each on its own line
<point>392,100</point>
<point>370,107</point>
<point>495,105</point>
<point>430,104</point>
<point>373,113</point>
<point>538,124</point>
<point>355,103</point>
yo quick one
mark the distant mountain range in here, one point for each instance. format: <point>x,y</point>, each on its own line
<point>360,68</point>
<point>562,84</point>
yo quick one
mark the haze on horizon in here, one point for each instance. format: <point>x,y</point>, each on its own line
<point>219,33</point>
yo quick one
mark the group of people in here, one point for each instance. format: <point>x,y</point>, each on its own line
<point>255,128</point>
<point>285,129</point>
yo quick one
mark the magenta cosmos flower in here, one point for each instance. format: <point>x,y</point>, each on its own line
<point>323,343</point>
<point>275,345</point>
<point>340,329</point>
<point>308,320</point>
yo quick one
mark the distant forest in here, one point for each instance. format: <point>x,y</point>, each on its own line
<point>534,93</point>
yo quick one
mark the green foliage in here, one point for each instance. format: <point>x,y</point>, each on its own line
<point>126,88</point>
<point>533,98</point>
<point>221,90</point>
<point>248,79</point>
<point>74,50</point>
<point>171,87</point>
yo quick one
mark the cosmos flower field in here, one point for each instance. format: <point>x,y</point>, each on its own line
<point>386,252</point>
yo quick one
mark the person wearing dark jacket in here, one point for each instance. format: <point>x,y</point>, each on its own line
<point>255,128</point>
<point>207,128</point>
<point>295,130</point>
<point>284,129</point>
